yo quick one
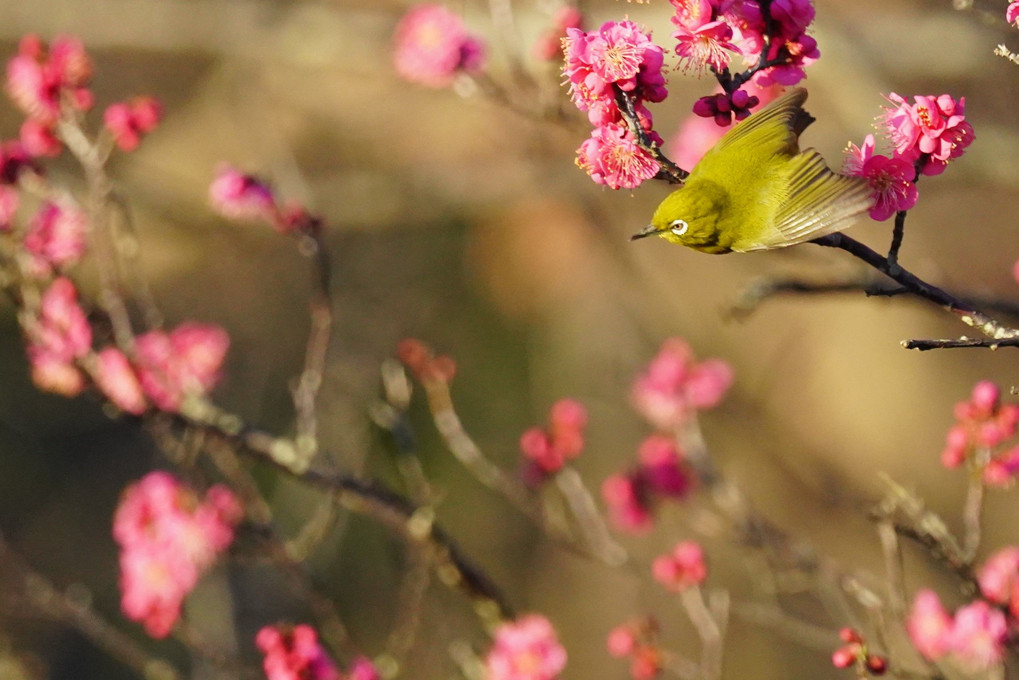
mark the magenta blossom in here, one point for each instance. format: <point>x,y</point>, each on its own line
<point>1012,13</point>
<point>891,179</point>
<point>932,128</point>
<point>294,653</point>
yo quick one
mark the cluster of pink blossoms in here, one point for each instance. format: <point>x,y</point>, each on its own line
<point>983,425</point>
<point>432,45</point>
<point>294,653</point>
<point>525,649</point>
<point>661,473</point>
<point>925,135</point>
<point>638,641</point>
<point>974,637</point>
<point>617,56</point>
<point>711,32</point>
<point>238,195</point>
<point>547,450</point>
<point>168,539</point>
<point>165,369</point>
<point>48,82</point>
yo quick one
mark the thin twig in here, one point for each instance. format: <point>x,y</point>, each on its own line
<point>707,629</point>
<point>955,343</point>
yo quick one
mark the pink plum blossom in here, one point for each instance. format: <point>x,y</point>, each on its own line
<point>929,625</point>
<point>612,157</point>
<point>168,538</point>
<point>628,503</point>
<point>186,361</point>
<point>128,121</point>
<point>116,379</point>
<point>978,636</point>
<point>674,386</point>
<point>933,128</point>
<point>1012,13</point>
<point>638,640</point>
<point>525,649</point>
<point>240,196</point>
<point>547,450</point>
<point>432,45</point>
<point>708,46</point>
<point>999,578</point>
<point>59,337</point>
<point>891,179</point>
<point>294,653</point>
<point>39,139</point>
<point>40,79</point>
<point>56,235</point>
<point>983,423</point>
<point>681,568</point>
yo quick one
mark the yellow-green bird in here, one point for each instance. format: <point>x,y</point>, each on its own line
<point>756,190</point>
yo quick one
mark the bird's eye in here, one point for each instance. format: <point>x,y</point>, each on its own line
<point>679,227</point>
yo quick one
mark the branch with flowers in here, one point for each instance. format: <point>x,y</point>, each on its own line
<point>176,530</point>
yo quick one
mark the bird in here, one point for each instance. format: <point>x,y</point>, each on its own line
<point>755,189</point>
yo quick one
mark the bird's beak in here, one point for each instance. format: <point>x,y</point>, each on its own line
<point>649,230</point>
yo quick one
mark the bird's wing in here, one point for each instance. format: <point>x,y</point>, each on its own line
<point>815,202</point>
<point>771,131</point>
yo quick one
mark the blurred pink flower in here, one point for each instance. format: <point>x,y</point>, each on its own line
<point>41,79</point>
<point>38,139</point>
<point>674,386</point>
<point>128,121</point>
<point>563,440</point>
<point>240,196</point>
<point>979,633</point>
<point>999,578</point>
<point>57,339</point>
<point>681,568</point>
<point>662,470</point>
<point>168,538</point>
<point>56,235</point>
<point>116,379</point>
<point>1012,13</point>
<point>628,503</point>
<point>549,46</point>
<point>432,44</point>
<point>929,625</point>
<point>184,362</point>
<point>983,422</point>
<point>525,649</point>
<point>294,653</point>
<point>638,640</point>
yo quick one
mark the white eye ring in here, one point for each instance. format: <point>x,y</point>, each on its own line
<point>679,227</point>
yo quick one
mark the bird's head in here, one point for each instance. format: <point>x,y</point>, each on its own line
<point>689,216</point>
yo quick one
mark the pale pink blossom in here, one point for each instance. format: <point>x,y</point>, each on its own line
<point>168,538</point>
<point>294,653</point>
<point>612,157</point>
<point>57,234</point>
<point>692,14</point>
<point>116,379</point>
<point>979,633</point>
<point>983,422</point>
<point>681,568</point>
<point>890,179</point>
<point>53,373</point>
<point>929,625</point>
<point>674,386</point>
<point>61,331</point>
<point>999,578</point>
<point>707,47</point>
<point>525,649</point>
<point>432,45</point>
<point>39,139</point>
<point>185,361</point>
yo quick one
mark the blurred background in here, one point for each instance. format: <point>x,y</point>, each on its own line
<point>457,221</point>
